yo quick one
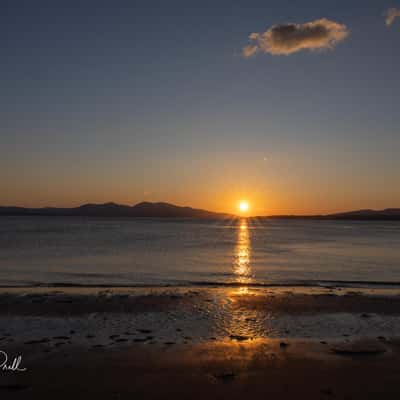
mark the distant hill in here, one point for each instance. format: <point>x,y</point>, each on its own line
<point>389,214</point>
<point>386,214</point>
<point>141,210</point>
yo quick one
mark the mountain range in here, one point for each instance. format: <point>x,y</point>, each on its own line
<point>392,214</point>
<point>140,210</point>
<point>166,210</point>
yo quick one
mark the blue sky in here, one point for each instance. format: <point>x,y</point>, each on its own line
<point>153,100</point>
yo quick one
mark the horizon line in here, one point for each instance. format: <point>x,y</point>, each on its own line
<point>244,215</point>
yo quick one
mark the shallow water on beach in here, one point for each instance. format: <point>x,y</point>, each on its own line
<point>127,252</point>
<point>179,315</point>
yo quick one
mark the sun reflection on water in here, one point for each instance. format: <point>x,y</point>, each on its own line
<point>241,265</point>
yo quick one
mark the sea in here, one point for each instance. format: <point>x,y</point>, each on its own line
<point>127,252</point>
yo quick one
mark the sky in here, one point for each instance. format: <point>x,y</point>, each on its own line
<point>293,106</point>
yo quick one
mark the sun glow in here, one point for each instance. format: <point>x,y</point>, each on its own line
<point>244,206</point>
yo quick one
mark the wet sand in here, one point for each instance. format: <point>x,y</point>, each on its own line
<point>213,343</point>
<point>211,370</point>
<point>291,301</point>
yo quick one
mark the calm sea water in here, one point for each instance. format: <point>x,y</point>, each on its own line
<point>93,251</point>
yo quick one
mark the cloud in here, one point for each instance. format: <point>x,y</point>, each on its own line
<point>391,15</point>
<point>286,39</point>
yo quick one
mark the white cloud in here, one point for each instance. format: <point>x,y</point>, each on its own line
<point>290,38</point>
<point>391,15</point>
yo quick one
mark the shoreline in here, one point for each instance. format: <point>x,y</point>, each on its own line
<point>326,284</point>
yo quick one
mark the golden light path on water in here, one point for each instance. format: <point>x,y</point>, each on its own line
<point>238,323</point>
<point>241,265</point>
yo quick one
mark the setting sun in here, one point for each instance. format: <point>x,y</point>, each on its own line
<point>243,206</point>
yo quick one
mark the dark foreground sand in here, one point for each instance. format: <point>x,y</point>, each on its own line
<point>94,345</point>
<point>259,369</point>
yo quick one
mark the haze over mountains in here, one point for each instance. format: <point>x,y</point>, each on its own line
<point>166,210</point>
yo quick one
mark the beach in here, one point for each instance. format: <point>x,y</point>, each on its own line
<point>194,342</point>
